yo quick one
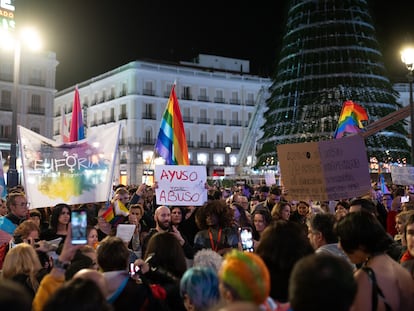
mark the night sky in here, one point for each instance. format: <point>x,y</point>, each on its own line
<point>91,37</point>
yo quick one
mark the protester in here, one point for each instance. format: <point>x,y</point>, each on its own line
<point>208,258</point>
<point>22,265</point>
<point>78,294</point>
<point>136,211</point>
<point>281,210</point>
<point>215,220</point>
<point>59,221</point>
<point>341,209</point>
<point>323,238</point>
<point>322,282</point>
<point>260,219</point>
<point>162,217</point>
<point>163,266</point>
<point>282,244</point>
<point>124,292</point>
<point>18,207</point>
<point>103,227</point>
<point>407,258</point>
<point>244,276</point>
<point>365,241</point>
<point>199,288</point>
<point>92,236</point>
<point>14,297</point>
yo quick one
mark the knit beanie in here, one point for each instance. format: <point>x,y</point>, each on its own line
<point>247,275</point>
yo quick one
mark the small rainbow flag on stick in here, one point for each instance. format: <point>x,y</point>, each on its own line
<point>77,131</point>
<point>171,144</point>
<point>115,213</point>
<point>350,120</point>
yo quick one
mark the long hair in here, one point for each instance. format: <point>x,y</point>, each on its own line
<point>282,244</point>
<point>22,259</point>
<point>54,218</point>
<point>167,253</point>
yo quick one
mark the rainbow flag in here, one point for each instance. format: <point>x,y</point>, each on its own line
<point>77,131</point>
<point>171,144</point>
<point>350,119</point>
<point>115,213</point>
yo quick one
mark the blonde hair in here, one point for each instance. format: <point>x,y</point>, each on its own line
<point>22,259</point>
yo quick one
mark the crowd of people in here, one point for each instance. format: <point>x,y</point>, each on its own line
<point>352,254</point>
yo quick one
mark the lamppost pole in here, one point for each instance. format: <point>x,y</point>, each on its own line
<point>407,57</point>
<point>12,174</point>
<point>410,82</point>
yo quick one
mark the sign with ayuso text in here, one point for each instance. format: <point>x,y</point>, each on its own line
<point>181,185</point>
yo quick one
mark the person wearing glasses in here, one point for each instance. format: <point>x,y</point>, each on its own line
<point>18,209</point>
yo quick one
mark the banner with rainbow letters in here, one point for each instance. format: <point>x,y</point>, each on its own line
<point>73,173</point>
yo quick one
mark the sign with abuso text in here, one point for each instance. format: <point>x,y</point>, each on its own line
<point>181,185</point>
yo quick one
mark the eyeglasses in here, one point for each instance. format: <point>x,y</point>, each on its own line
<point>22,204</point>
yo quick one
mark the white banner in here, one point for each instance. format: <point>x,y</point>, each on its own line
<point>72,173</point>
<point>181,185</point>
<point>402,175</point>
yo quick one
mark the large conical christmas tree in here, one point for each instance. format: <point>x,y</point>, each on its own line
<point>329,54</point>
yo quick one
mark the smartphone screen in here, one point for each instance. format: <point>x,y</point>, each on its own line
<point>246,239</point>
<point>79,222</point>
<point>133,269</point>
<point>405,199</point>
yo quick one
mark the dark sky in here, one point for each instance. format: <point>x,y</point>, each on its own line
<point>91,37</point>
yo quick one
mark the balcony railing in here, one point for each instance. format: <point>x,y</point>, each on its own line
<point>123,116</point>
<point>235,123</point>
<point>203,98</point>
<point>149,116</point>
<point>219,100</point>
<point>188,119</point>
<point>148,141</point>
<point>234,101</point>
<point>203,121</point>
<point>203,144</point>
<point>36,110</point>
<point>220,122</point>
<point>5,106</point>
<point>148,92</point>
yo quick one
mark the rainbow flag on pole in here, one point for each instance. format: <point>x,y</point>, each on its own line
<point>171,144</point>
<point>350,120</point>
<point>77,131</point>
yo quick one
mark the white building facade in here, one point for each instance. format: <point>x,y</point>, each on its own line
<point>32,95</point>
<point>218,99</point>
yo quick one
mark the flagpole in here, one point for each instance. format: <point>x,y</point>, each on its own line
<point>337,126</point>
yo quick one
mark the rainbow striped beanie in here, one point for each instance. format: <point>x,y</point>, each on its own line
<point>247,275</point>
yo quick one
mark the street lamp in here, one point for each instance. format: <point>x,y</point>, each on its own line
<point>30,39</point>
<point>407,57</point>
<point>227,150</point>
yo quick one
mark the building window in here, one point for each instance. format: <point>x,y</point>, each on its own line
<point>35,106</point>
<point>5,100</point>
<point>186,92</point>
<point>148,88</point>
<point>5,131</point>
<point>149,112</point>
